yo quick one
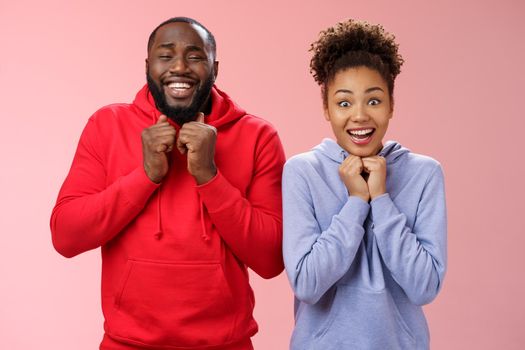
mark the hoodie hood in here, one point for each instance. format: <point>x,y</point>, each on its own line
<point>223,109</point>
<point>392,151</point>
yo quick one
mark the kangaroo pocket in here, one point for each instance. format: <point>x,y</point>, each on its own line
<point>173,304</point>
<point>364,319</point>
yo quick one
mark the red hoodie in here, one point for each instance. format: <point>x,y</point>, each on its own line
<point>174,255</point>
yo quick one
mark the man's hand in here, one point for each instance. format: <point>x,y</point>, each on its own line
<point>157,141</point>
<point>376,167</point>
<point>198,140</point>
<point>350,173</point>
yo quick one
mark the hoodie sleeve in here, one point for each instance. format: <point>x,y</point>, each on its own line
<point>416,258</point>
<point>251,226</point>
<point>314,259</point>
<point>88,212</point>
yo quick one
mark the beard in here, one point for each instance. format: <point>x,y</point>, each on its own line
<point>181,115</point>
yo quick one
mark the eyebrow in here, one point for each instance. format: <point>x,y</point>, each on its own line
<point>372,89</point>
<point>166,45</point>
<point>194,48</point>
<point>172,45</point>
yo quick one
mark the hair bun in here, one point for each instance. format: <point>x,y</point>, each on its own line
<point>353,36</point>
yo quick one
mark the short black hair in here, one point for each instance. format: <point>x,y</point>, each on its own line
<point>211,38</point>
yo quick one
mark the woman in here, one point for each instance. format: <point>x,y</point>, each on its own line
<point>364,221</point>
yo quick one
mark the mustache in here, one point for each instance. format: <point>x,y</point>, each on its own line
<point>176,75</point>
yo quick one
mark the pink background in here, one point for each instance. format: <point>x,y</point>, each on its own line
<point>458,99</point>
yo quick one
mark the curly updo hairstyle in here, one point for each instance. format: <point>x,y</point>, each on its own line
<point>353,44</point>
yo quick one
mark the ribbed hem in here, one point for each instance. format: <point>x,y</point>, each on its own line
<point>109,343</point>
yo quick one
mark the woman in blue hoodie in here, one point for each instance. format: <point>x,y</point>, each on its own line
<point>364,221</point>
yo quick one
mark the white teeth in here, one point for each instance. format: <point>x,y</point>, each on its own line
<point>179,86</point>
<point>361,132</point>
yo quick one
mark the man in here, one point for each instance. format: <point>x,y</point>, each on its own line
<point>181,189</point>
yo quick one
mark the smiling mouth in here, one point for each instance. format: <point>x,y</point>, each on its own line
<point>180,90</point>
<point>361,136</point>
<point>179,86</point>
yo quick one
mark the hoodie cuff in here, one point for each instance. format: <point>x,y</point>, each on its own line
<point>137,187</point>
<point>355,210</point>
<point>383,208</point>
<point>217,194</point>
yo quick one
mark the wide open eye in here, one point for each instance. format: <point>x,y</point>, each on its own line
<point>344,104</point>
<point>374,102</point>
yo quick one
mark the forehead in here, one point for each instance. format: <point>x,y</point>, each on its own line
<point>181,34</point>
<point>359,78</point>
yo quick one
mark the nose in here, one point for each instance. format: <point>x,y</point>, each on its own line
<point>360,114</point>
<point>178,66</point>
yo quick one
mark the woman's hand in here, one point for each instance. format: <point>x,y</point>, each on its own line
<point>350,173</point>
<point>376,167</point>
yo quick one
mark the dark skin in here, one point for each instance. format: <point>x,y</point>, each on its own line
<point>180,54</point>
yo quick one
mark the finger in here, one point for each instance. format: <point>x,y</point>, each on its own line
<point>163,145</point>
<point>196,130</point>
<point>375,159</point>
<point>347,160</point>
<point>167,140</point>
<point>368,164</point>
<point>200,118</point>
<point>162,125</point>
<point>161,148</point>
<point>353,163</point>
<point>371,165</point>
<point>353,159</point>
<point>161,133</point>
<point>181,145</point>
<point>353,168</point>
<point>162,119</point>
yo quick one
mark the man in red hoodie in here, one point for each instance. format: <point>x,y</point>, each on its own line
<point>182,191</point>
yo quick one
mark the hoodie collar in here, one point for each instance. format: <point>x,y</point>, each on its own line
<point>391,150</point>
<point>223,109</point>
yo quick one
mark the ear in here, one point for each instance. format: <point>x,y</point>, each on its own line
<point>391,108</point>
<point>326,113</point>
<point>147,65</point>
<point>325,103</point>
<point>215,69</point>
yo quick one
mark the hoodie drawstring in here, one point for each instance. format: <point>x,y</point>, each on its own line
<point>159,233</point>
<point>343,155</point>
<point>205,236</point>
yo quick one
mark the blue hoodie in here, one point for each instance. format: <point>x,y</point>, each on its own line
<point>361,271</point>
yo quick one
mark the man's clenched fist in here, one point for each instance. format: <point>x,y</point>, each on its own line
<point>197,139</point>
<point>157,141</point>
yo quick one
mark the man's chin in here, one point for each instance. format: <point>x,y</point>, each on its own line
<point>181,115</point>
<point>178,103</point>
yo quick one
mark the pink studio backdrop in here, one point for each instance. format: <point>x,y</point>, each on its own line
<point>458,99</point>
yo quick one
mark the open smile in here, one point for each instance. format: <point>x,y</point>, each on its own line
<point>179,88</point>
<point>361,136</point>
